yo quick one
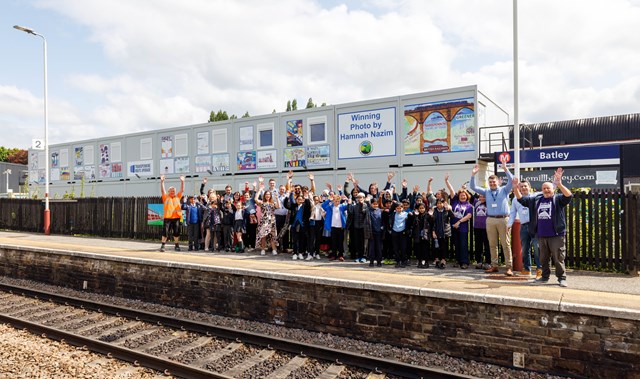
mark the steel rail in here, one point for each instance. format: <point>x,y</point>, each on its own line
<point>375,364</point>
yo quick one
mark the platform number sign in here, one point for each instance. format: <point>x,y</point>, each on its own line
<point>37,144</point>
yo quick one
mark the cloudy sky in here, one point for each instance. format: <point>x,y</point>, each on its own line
<point>121,66</point>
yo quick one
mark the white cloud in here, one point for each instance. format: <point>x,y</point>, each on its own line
<point>173,62</point>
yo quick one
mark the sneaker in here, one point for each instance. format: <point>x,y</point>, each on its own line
<point>363,260</point>
<point>492,269</point>
<point>562,283</point>
<point>525,272</point>
<point>262,252</point>
<point>541,280</point>
<point>479,266</point>
<point>162,249</point>
<point>464,266</point>
<point>539,273</point>
<point>371,264</point>
<point>177,248</point>
<point>309,257</point>
<point>294,257</point>
<point>509,272</point>
<point>443,265</point>
<point>341,259</point>
<point>318,256</point>
<point>486,266</point>
<point>274,252</point>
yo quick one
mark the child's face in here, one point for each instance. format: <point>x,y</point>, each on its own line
<point>374,205</point>
<point>238,205</point>
<point>399,208</point>
<point>440,204</point>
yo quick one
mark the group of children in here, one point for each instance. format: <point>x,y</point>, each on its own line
<point>372,225</point>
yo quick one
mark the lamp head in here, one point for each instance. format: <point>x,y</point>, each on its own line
<point>24,29</point>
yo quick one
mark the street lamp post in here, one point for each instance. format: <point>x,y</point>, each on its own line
<point>47,213</point>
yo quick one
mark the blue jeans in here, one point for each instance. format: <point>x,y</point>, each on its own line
<point>527,243</point>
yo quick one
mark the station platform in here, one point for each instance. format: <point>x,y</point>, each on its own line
<point>593,293</point>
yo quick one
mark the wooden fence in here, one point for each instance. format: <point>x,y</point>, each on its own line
<point>603,227</point>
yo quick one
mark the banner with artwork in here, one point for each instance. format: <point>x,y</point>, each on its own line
<point>247,160</point>
<point>79,156</point>
<point>166,147</point>
<point>294,133</point>
<point>182,165</point>
<point>220,162</point>
<point>439,127</point>
<point>65,173</point>
<point>105,154</point>
<point>267,159</point>
<point>246,138</point>
<point>295,157</point>
<point>116,170</point>
<point>203,143</point>
<point>166,166</point>
<point>318,155</point>
<point>140,168</point>
<point>104,171</point>
<point>203,163</point>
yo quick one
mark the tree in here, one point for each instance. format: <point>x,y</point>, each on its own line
<point>323,104</point>
<point>18,156</point>
<point>288,106</point>
<point>310,104</point>
<point>294,105</point>
<point>4,153</point>
<point>218,116</point>
<point>274,111</point>
<point>246,114</point>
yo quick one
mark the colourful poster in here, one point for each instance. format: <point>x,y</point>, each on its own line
<point>247,160</point>
<point>140,168</point>
<point>182,165</point>
<point>166,147</point>
<point>79,156</point>
<point>294,133</point>
<point>203,143</point>
<point>463,134</point>
<point>295,157</point>
<point>203,163</point>
<point>116,170</point>
<point>246,138</point>
<point>65,173</point>
<point>104,171</point>
<point>220,162</point>
<point>267,159</point>
<point>55,159</point>
<point>105,154</point>
<point>90,172</point>
<point>78,173</point>
<point>439,127</point>
<point>318,155</point>
<point>434,134</point>
<point>166,166</point>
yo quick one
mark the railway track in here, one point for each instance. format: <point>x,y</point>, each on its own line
<point>189,349</point>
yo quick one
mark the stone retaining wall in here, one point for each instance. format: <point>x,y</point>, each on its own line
<point>578,342</point>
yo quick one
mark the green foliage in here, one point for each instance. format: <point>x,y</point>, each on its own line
<point>294,105</point>
<point>323,104</point>
<point>246,114</point>
<point>310,104</point>
<point>288,106</point>
<point>219,116</point>
<point>13,155</point>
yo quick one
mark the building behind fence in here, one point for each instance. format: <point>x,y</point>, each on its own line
<point>603,227</point>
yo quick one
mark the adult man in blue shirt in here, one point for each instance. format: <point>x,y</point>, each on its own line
<point>497,216</point>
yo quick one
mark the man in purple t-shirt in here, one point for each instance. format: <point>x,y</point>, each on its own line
<point>548,224</point>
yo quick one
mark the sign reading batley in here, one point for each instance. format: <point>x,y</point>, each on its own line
<point>567,156</point>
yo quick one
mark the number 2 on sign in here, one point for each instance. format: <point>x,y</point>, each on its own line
<point>37,144</point>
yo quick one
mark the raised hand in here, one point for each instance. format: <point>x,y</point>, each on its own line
<point>260,179</point>
<point>311,176</point>
<point>475,170</point>
<point>557,176</point>
<point>290,174</point>
<point>182,178</point>
<point>404,183</point>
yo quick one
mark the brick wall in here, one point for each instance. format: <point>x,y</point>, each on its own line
<point>553,341</point>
